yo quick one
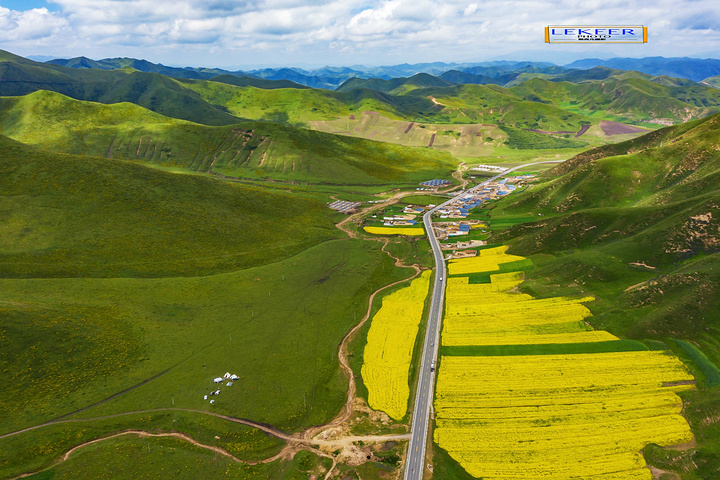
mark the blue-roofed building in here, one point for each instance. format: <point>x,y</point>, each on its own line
<point>435,182</point>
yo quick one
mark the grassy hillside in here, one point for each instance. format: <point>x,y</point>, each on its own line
<point>494,104</point>
<point>634,96</point>
<point>67,216</point>
<point>637,225</point>
<point>247,150</point>
<point>71,343</point>
<point>398,85</point>
<point>153,91</point>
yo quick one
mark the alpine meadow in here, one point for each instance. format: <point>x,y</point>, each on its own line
<point>468,270</point>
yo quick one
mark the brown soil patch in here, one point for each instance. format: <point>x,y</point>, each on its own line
<point>583,129</point>
<point>617,128</point>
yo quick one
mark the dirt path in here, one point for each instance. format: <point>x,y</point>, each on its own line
<point>459,175</point>
<point>221,451</point>
<point>347,409</point>
<point>309,439</point>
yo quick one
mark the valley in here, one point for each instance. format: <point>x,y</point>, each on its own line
<point>162,227</point>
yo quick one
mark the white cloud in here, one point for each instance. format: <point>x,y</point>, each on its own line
<point>29,26</point>
<point>212,32</point>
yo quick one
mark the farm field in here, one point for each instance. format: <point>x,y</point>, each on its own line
<point>506,409</point>
<point>389,348</point>
<point>473,142</point>
<point>414,231</point>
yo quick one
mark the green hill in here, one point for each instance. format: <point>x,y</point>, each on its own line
<point>256,82</point>
<point>248,150</point>
<point>19,76</point>
<point>637,225</point>
<point>627,95</point>
<point>69,216</point>
<point>495,104</point>
<point>398,85</point>
<point>712,81</point>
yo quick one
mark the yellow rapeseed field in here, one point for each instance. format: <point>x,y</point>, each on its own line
<point>395,230</point>
<point>559,416</point>
<point>535,417</point>
<point>389,348</point>
<point>487,260</point>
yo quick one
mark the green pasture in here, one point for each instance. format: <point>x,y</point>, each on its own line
<point>173,458</point>
<point>278,327</point>
<point>67,216</point>
<point>544,349</point>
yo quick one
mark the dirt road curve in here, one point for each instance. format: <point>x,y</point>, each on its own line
<point>312,439</point>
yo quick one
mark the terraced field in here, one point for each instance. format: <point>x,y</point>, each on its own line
<point>531,396</point>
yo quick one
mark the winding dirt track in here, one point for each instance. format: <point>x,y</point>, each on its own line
<point>302,440</point>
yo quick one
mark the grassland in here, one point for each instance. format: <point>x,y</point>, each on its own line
<point>250,150</point>
<point>69,216</point>
<point>127,289</point>
<point>273,325</point>
<point>171,457</point>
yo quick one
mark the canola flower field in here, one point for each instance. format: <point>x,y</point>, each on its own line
<point>560,416</point>
<point>395,230</point>
<point>389,347</point>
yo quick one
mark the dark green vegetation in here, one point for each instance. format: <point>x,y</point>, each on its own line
<point>545,349</point>
<point>710,372</point>
<point>447,468</point>
<point>173,458</point>
<point>67,216</point>
<point>127,288</point>
<point>151,90</point>
<point>524,139</point>
<point>637,225</point>
<point>32,452</point>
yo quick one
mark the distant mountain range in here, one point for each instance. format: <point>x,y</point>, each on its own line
<point>695,69</point>
<point>496,72</point>
<point>515,94</point>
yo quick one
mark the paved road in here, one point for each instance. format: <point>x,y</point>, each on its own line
<point>423,397</point>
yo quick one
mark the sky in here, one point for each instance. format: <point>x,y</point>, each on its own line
<point>254,33</point>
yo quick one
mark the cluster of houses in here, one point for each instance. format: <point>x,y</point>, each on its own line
<point>461,245</point>
<point>445,230</point>
<point>400,220</point>
<point>415,209</point>
<point>460,208</point>
<point>228,379</point>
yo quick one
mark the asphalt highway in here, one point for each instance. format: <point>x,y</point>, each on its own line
<point>423,397</point>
